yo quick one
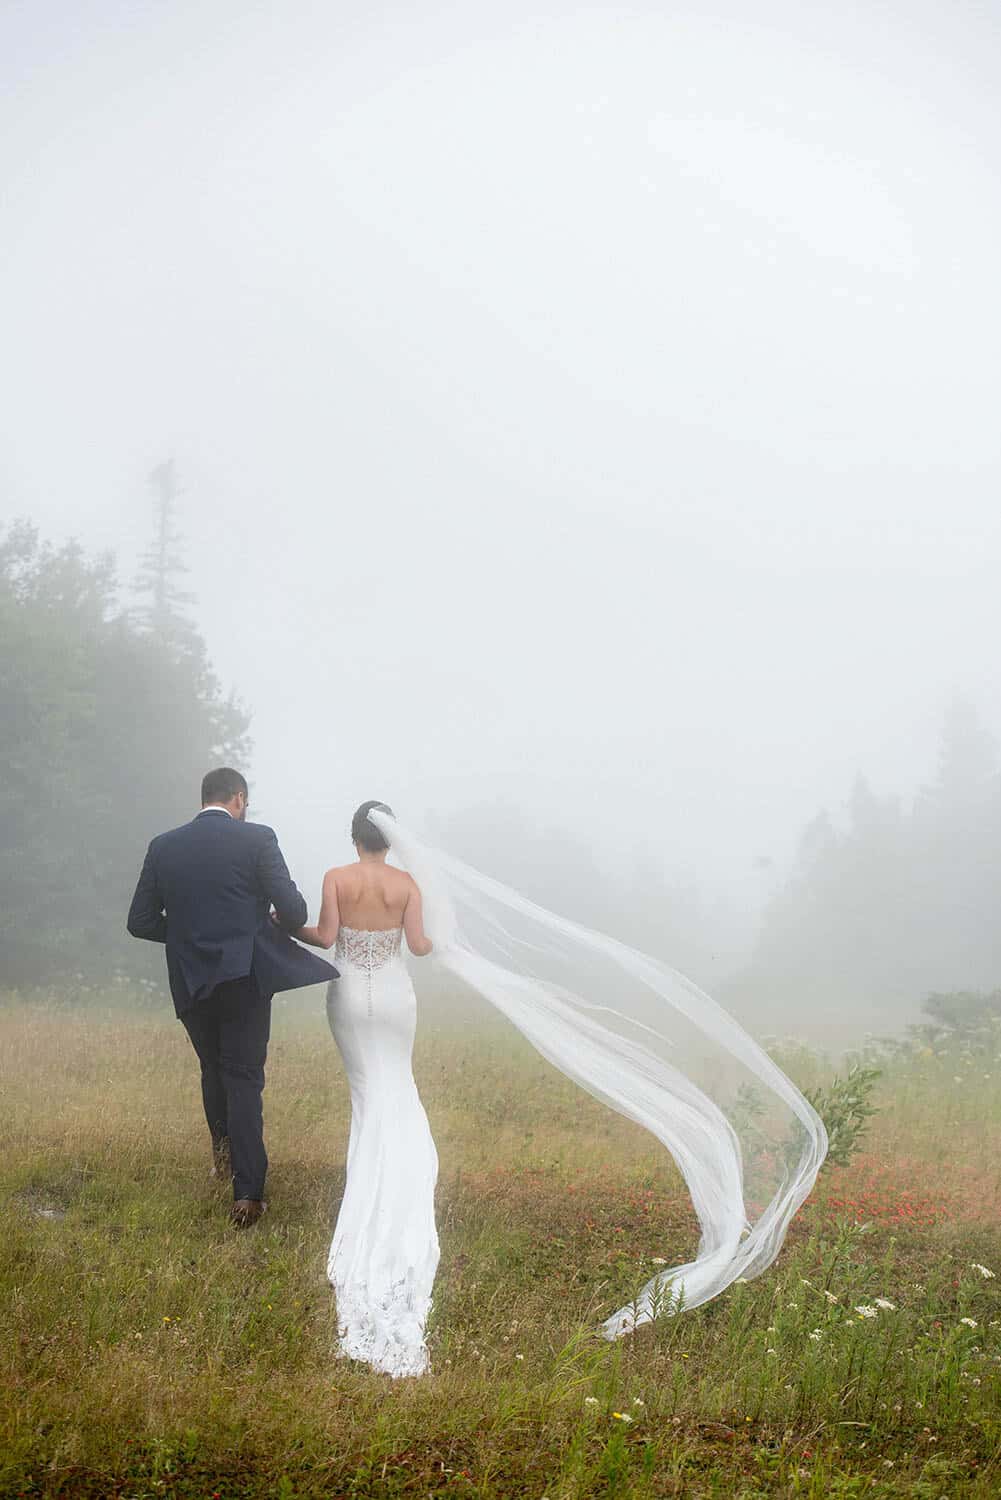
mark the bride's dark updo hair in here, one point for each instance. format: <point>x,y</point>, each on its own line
<point>365,835</point>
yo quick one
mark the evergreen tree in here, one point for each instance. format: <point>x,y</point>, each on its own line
<point>105,732</point>
<point>162,566</point>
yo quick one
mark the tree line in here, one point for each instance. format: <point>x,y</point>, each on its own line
<point>892,903</point>
<point>110,715</point>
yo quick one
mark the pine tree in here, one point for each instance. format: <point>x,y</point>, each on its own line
<point>161,567</point>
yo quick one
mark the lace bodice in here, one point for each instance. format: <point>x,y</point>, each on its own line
<point>368,950</point>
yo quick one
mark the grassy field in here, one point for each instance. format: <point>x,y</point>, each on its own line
<point>149,1350</point>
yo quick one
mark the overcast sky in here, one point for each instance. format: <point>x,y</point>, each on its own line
<point>595,409</point>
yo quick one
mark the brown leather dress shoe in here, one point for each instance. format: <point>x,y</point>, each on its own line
<point>247,1211</point>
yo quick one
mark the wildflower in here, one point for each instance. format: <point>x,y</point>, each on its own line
<point>793,1306</point>
<point>985,1272</point>
<point>519,1356</point>
<point>969,1322</point>
<point>621,1416</point>
<point>865,1311</point>
<point>590,1401</point>
<point>769,1351</point>
<point>816,1335</point>
<point>638,1402</point>
<point>886,1304</point>
<point>830,1297</point>
<point>658,1260</point>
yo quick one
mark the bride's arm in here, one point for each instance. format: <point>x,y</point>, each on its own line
<point>324,934</point>
<point>418,941</point>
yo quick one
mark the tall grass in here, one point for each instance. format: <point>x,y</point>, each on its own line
<point>148,1349</point>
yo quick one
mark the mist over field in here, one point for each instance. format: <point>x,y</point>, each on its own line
<point>584,438</point>
<point>575,426</point>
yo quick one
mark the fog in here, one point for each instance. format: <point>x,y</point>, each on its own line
<point>588,414</point>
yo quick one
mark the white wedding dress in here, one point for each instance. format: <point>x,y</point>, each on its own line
<point>384,1254</point>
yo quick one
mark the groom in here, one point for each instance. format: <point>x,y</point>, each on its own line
<point>206,890</point>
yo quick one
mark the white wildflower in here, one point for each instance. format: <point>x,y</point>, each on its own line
<point>769,1351</point>
<point>519,1356</point>
<point>969,1322</point>
<point>637,1401</point>
<point>658,1260</point>
<point>621,1416</point>
<point>886,1304</point>
<point>830,1297</point>
<point>590,1401</point>
<point>816,1335</point>
<point>865,1311</point>
<point>984,1271</point>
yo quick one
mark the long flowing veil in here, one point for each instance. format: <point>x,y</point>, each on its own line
<point>647,1042</point>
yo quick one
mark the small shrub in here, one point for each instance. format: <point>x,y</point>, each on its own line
<point>845,1107</point>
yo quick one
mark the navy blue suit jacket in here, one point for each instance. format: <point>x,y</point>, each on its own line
<point>206,890</point>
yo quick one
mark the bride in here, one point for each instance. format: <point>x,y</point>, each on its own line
<point>384,1254</point>
<point>635,1033</point>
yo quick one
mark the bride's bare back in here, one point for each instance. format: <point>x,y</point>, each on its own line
<point>369,896</point>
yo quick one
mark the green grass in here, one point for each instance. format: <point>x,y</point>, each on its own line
<point>147,1349</point>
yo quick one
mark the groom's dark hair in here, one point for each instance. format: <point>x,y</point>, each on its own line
<point>222,785</point>
<point>365,835</point>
